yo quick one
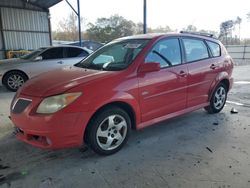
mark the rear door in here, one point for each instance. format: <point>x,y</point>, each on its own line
<point>163,92</point>
<point>202,68</point>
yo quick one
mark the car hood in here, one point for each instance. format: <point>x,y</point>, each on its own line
<point>60,80</point>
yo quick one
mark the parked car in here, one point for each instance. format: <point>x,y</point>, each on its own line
<point>92,45</point>
<point>14,72</point>
<point>130,83</point>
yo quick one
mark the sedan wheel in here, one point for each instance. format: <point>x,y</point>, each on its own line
<point>14,80</point>
<point>109,131</point>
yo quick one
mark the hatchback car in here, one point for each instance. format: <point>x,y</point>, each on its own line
<point>130,83</point>
<point>14,72</point>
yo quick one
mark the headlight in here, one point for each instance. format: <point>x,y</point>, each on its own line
<point>53,104</point>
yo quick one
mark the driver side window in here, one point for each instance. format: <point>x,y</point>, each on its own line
<point>166,52</point>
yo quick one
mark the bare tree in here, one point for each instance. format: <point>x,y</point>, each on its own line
<point>67,28</point>
<point>160,29</point>
<point>226,29</point>
<point>238,22</point>
<point>190,28</point>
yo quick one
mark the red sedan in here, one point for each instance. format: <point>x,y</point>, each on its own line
<point>130,83</point>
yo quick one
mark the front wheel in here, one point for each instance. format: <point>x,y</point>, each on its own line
<point>218,99</point>
<point>109,131</point>
<point>14,79</point>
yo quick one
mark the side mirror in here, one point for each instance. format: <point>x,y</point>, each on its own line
<point>38,58</point>
<point>149,67</point>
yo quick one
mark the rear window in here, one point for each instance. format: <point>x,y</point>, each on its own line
<point>215,48</point>
<point>195,50</point>
<point>75,52</point>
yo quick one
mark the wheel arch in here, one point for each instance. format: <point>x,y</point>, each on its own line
<point>221,78</point>
<point>121,104</point>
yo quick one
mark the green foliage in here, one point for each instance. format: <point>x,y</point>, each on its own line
<point>107,29</point>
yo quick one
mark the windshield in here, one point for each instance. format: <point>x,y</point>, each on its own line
<point>32,54</point>
<point>117,55</point>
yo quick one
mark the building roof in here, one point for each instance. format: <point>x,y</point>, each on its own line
<point>43,3</point>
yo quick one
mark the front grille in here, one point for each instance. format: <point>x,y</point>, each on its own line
<point>20,105</point>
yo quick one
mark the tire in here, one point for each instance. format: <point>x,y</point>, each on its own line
<point>14,80</point>
<point>109,130</point>
<point>218,99</point>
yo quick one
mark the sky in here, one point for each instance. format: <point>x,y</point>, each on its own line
<point>177,14</point>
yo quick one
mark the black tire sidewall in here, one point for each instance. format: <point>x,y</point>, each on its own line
<point>95,123</point>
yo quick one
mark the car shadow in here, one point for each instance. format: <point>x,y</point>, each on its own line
<point>4,90</point>
<point>164,139</point>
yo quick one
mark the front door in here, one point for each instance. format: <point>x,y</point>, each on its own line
<point>163,92</point>
<point>52,59</point>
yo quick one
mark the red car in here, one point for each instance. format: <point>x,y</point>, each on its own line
<point>130,83</point>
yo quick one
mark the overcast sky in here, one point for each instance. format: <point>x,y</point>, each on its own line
<point>175,13</point>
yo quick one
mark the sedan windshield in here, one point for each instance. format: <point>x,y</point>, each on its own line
<point>116,55</point>
<point>33,54</point>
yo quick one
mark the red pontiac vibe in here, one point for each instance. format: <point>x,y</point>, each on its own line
<point>130,83</point>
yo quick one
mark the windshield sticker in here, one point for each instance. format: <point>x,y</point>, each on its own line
<point>132,45</point>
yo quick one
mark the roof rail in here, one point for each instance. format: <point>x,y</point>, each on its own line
<point>198,33</point>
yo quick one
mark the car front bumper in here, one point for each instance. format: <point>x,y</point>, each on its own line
<point>51,131</point>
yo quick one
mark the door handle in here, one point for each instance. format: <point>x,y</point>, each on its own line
<point>182,74</point>
<point>213,66</point>
<point>60,62</point>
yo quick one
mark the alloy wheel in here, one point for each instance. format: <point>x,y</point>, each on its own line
<point>111,132</point>
<point>219,97</point>
<point>15,81</point>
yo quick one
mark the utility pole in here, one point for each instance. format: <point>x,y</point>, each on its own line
<point>79,22</point>
<point>144,16</point>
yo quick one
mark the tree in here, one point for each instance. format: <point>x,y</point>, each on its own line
<point>214,33</point>
<point>107,29</point>
<point>138,29</point>
<point>226,29</point>
<point>68,28</point>
<point>160,29</point>
<point>238,22</point>
<point>190,28</point>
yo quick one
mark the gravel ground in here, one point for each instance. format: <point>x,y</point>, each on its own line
<point>194,150</point>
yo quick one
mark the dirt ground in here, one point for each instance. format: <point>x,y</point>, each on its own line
<point>194,150</point>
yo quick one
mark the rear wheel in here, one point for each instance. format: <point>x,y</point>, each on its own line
<point>14,79</point>
<point>218,99</point>
<point>109,131</point>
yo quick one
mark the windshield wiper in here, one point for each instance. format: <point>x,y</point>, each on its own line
<point>81,65</point>
<point>89,66</point>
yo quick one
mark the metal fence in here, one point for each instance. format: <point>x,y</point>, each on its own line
<point>239,52</point>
